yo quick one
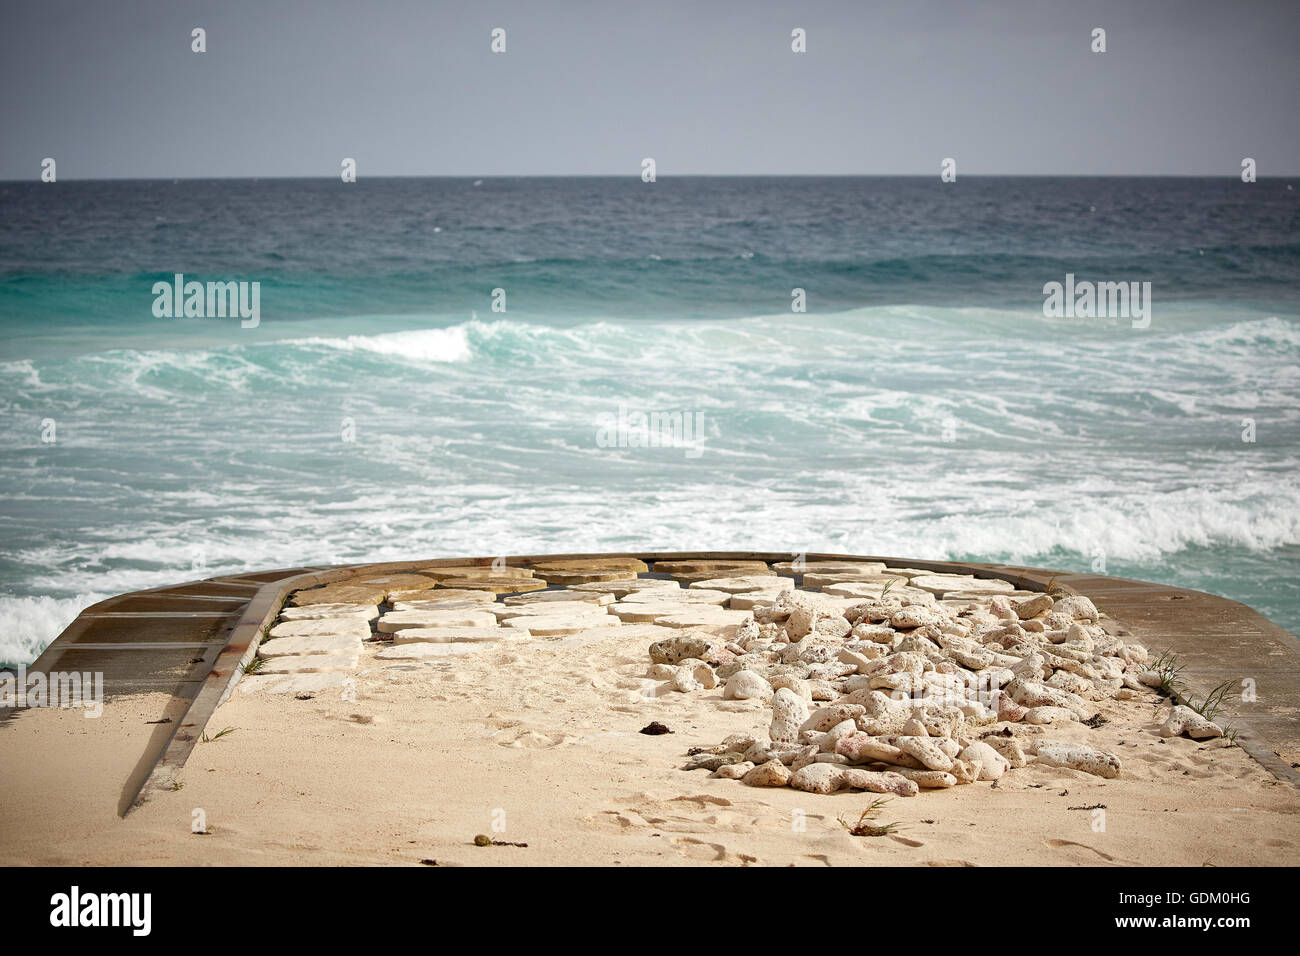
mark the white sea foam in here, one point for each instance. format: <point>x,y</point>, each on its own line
<point>419,345</point>
<point>28,624</point>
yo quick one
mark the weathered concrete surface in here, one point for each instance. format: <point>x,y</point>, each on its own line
<point>189,642</point>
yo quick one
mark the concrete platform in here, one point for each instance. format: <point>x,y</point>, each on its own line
<point>186,646</point>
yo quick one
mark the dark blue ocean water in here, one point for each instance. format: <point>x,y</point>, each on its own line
<point>923,405</point>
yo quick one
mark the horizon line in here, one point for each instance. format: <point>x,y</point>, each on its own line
<point>636,176</point>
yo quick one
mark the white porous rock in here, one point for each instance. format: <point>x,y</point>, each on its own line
<point>914,728</point>
<point>991,763</point>
<point>875,633</point>
<point>928,779</point>
<point>673,650</point>
<point>773,773</point>
<point>925,750</point>
<point>1076,607</point>
<point>1133,653</point>
<point>1049,715</point>
<point>965,772</point>
<point>886,781</point>
<point>827,742</point>
<point>1029,693</point>
<point>1077,757</point>
<point>824,718</point>
<point>747,685</point>
<point>733,771</point>
<point>914,616</point>
<point>1001,608</point>
<point>1009,748</point>
<point>1033,607</point>
<point>788,712</point>
<point>1183,720</point>
<point>823,690</point>
<point>882,715</point>
<point>1074,684</point>
<point>815,777</point>
<point>796,684</point>
<point>692,675</point>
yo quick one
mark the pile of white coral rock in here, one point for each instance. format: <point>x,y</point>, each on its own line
<point>906,691</point>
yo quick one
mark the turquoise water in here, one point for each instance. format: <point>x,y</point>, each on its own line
<point>923,406</point>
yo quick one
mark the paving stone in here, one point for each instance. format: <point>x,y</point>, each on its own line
<point>456,635</point>
<point>789,569</point>
<point>822,579</point>
<point>338,594</point>
<point>681,596</point>
<point>619,589</point>
<point>648,613</point>
<point>592,564</point>
<point>865,590</point>
<point>551,608</point>
<point>464,607</point>
<point>940,584</point>
<point>495,585</point>
<point>292,646</point>
<point>477,571</point>
<point>690,577</point>
<point>704,617</point>
<point>364,612</point>
<point>398,620</point>
<point>353,627</point>
<point>584,577</point>
<point>567,596</point>
<point>694,565</point>
<point>394,582</point>
<point>309,663</point>
<point>550,626</point>
<point>758,582</point>
<point>984,594</point>
<point>751,599</point>
<point>440,595</point>
<point>292,683</point>
<point>425,651</point>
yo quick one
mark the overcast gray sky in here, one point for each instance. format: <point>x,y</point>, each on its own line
<point>410,87</point>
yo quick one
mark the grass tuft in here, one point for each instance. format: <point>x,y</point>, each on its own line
<point>1169,670</point>
<point>864,828</point>
<point>1212,706</point>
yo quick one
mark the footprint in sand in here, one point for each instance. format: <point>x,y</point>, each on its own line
<point>535,741</point>
<point>711,852</point>
<point>1062,844</point>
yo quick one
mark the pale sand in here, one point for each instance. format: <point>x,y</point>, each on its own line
<point>546,730</point>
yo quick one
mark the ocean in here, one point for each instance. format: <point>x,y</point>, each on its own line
<point>923,405</point>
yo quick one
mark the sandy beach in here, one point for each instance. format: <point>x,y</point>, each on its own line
<point>537,740</point>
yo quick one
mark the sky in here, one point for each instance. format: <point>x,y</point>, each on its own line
<point>591,87</point>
